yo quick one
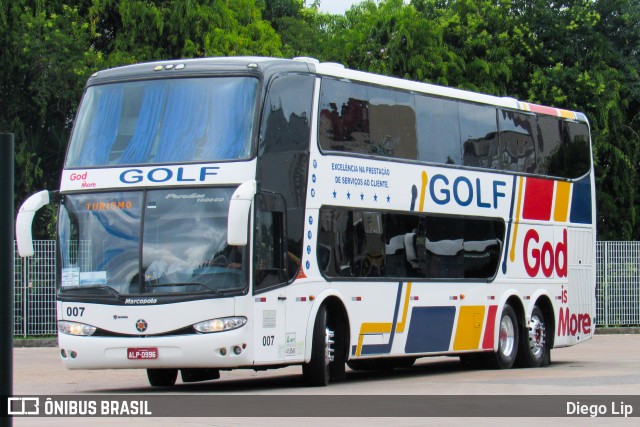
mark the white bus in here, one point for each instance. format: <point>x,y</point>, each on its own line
<point>225,213</point>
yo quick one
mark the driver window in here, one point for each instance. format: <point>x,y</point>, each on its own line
<point>270,246</point>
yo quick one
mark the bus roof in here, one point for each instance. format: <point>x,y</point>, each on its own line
<point>268,66</point>
<point>335,70</point>
<point>200,66</point>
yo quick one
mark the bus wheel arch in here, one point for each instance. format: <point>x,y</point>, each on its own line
<point>329,342</point>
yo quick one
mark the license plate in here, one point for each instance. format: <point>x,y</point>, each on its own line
<point>142,353</point>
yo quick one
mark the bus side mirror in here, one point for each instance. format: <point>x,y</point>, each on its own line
<point>239,208</point>
<point>25,220</point>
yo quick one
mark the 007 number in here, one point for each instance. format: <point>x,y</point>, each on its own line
<point>75,311</point>
<point>268,340</point>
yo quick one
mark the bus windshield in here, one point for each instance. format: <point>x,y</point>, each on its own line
<point>150,242</point>
<point>164,121</point>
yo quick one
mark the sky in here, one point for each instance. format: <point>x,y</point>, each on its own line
<point>336,6</point>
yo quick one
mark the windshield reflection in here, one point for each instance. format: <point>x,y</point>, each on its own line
<point>183,244</point>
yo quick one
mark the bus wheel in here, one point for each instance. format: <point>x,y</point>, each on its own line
<point>505,357</point>
<point>534,345</point>
<point>162,377</point>
<point>317,371</point>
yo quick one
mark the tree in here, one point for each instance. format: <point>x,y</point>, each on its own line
<point>46,58</point>
<point>298,26</point>
<point>469,44</point>
<point>594,73</point>
<point>139,30</point>
<point>50,49</point>
<point>575,54</point>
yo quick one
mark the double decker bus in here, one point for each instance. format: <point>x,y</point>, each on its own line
<point>225,213</point>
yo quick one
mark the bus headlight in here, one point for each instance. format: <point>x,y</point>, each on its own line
<point>75,328</point>
<point>219,325</point>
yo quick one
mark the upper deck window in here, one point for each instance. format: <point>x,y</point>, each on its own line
<point>365,120</point>
<point>164,121</point>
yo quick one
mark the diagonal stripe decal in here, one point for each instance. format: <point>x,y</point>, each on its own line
<point>401,325</point>
<point>383,328</point>
<point>512,253</point>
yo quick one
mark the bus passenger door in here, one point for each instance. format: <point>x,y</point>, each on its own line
<point>269,277</point>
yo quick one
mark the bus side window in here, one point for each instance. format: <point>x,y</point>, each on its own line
<point>284,153</point>
<point>286,126</point>
<point>363,119</point>
<point>516,152</point>
<point>479,132</point>
<point>569,157</point>
<point>270,244</point>
<point>372,249</point>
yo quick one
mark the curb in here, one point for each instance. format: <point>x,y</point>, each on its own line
<point>35,342</point>
<point>618,330</point>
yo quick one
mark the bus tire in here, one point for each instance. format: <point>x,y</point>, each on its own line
<point>317,372</point>
<point>534,346</point>
<point>508,337</point>
<point>162,377</point>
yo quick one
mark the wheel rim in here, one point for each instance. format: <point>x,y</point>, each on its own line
<point>537,336</point>
<point>328,345</point>
<point>507,336</point>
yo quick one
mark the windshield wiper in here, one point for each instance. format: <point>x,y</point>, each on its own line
<point>104,288</point>
<point>203,287</point>
<point>170,285</point>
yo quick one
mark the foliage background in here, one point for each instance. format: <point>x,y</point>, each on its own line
<point>576,54</point>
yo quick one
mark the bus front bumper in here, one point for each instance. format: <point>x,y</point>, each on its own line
<point>228,349</point>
